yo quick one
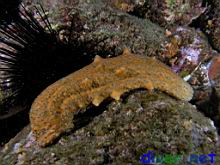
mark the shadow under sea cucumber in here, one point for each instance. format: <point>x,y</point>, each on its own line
<point>52,113</point>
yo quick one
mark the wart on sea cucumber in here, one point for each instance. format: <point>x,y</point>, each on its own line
<point>52,113</point>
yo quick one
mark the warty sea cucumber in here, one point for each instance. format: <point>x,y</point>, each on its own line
<point>52,113</point>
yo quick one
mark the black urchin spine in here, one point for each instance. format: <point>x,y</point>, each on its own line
<point>31,58</point>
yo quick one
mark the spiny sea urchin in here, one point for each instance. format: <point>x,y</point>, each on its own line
<point>32,57</point>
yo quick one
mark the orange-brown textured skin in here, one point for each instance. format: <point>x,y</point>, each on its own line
<point>53,111</point>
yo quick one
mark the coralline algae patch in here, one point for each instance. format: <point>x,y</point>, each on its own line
<point>186,49</point>
<point>190,55</point>
<point>214,71</point>
<point>52,113</point>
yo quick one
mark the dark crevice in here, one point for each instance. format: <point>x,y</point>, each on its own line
<point>201,22</point>
<point>210,107</point>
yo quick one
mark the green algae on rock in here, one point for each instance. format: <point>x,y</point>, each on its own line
<point>53,111</point>
<point>96,20</point>
<point>122,132</point>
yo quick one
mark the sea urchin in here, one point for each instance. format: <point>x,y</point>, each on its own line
<point>32,57</point>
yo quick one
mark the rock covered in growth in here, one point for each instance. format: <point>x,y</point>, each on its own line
<point>165,12</point>
<point>52,113</point>
<point>209,23</point>
<point>96,20</point>
<point>127,128</point>
<point>186,50</point>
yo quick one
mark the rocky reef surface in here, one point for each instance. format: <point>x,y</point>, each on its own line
<point>122,132</point>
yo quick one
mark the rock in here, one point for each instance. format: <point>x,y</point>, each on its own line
<point>212,24</point>
<point>97,21</point>
<point>210,106</point>
<point>186,49</point>
<point>121,132</point>
<point>166,13</point>
<point>209,23</point>
<point>190,55</point>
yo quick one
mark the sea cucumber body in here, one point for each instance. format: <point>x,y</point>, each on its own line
<point>52,113</point>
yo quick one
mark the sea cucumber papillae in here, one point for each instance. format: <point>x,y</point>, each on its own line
<point>52,113</point>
